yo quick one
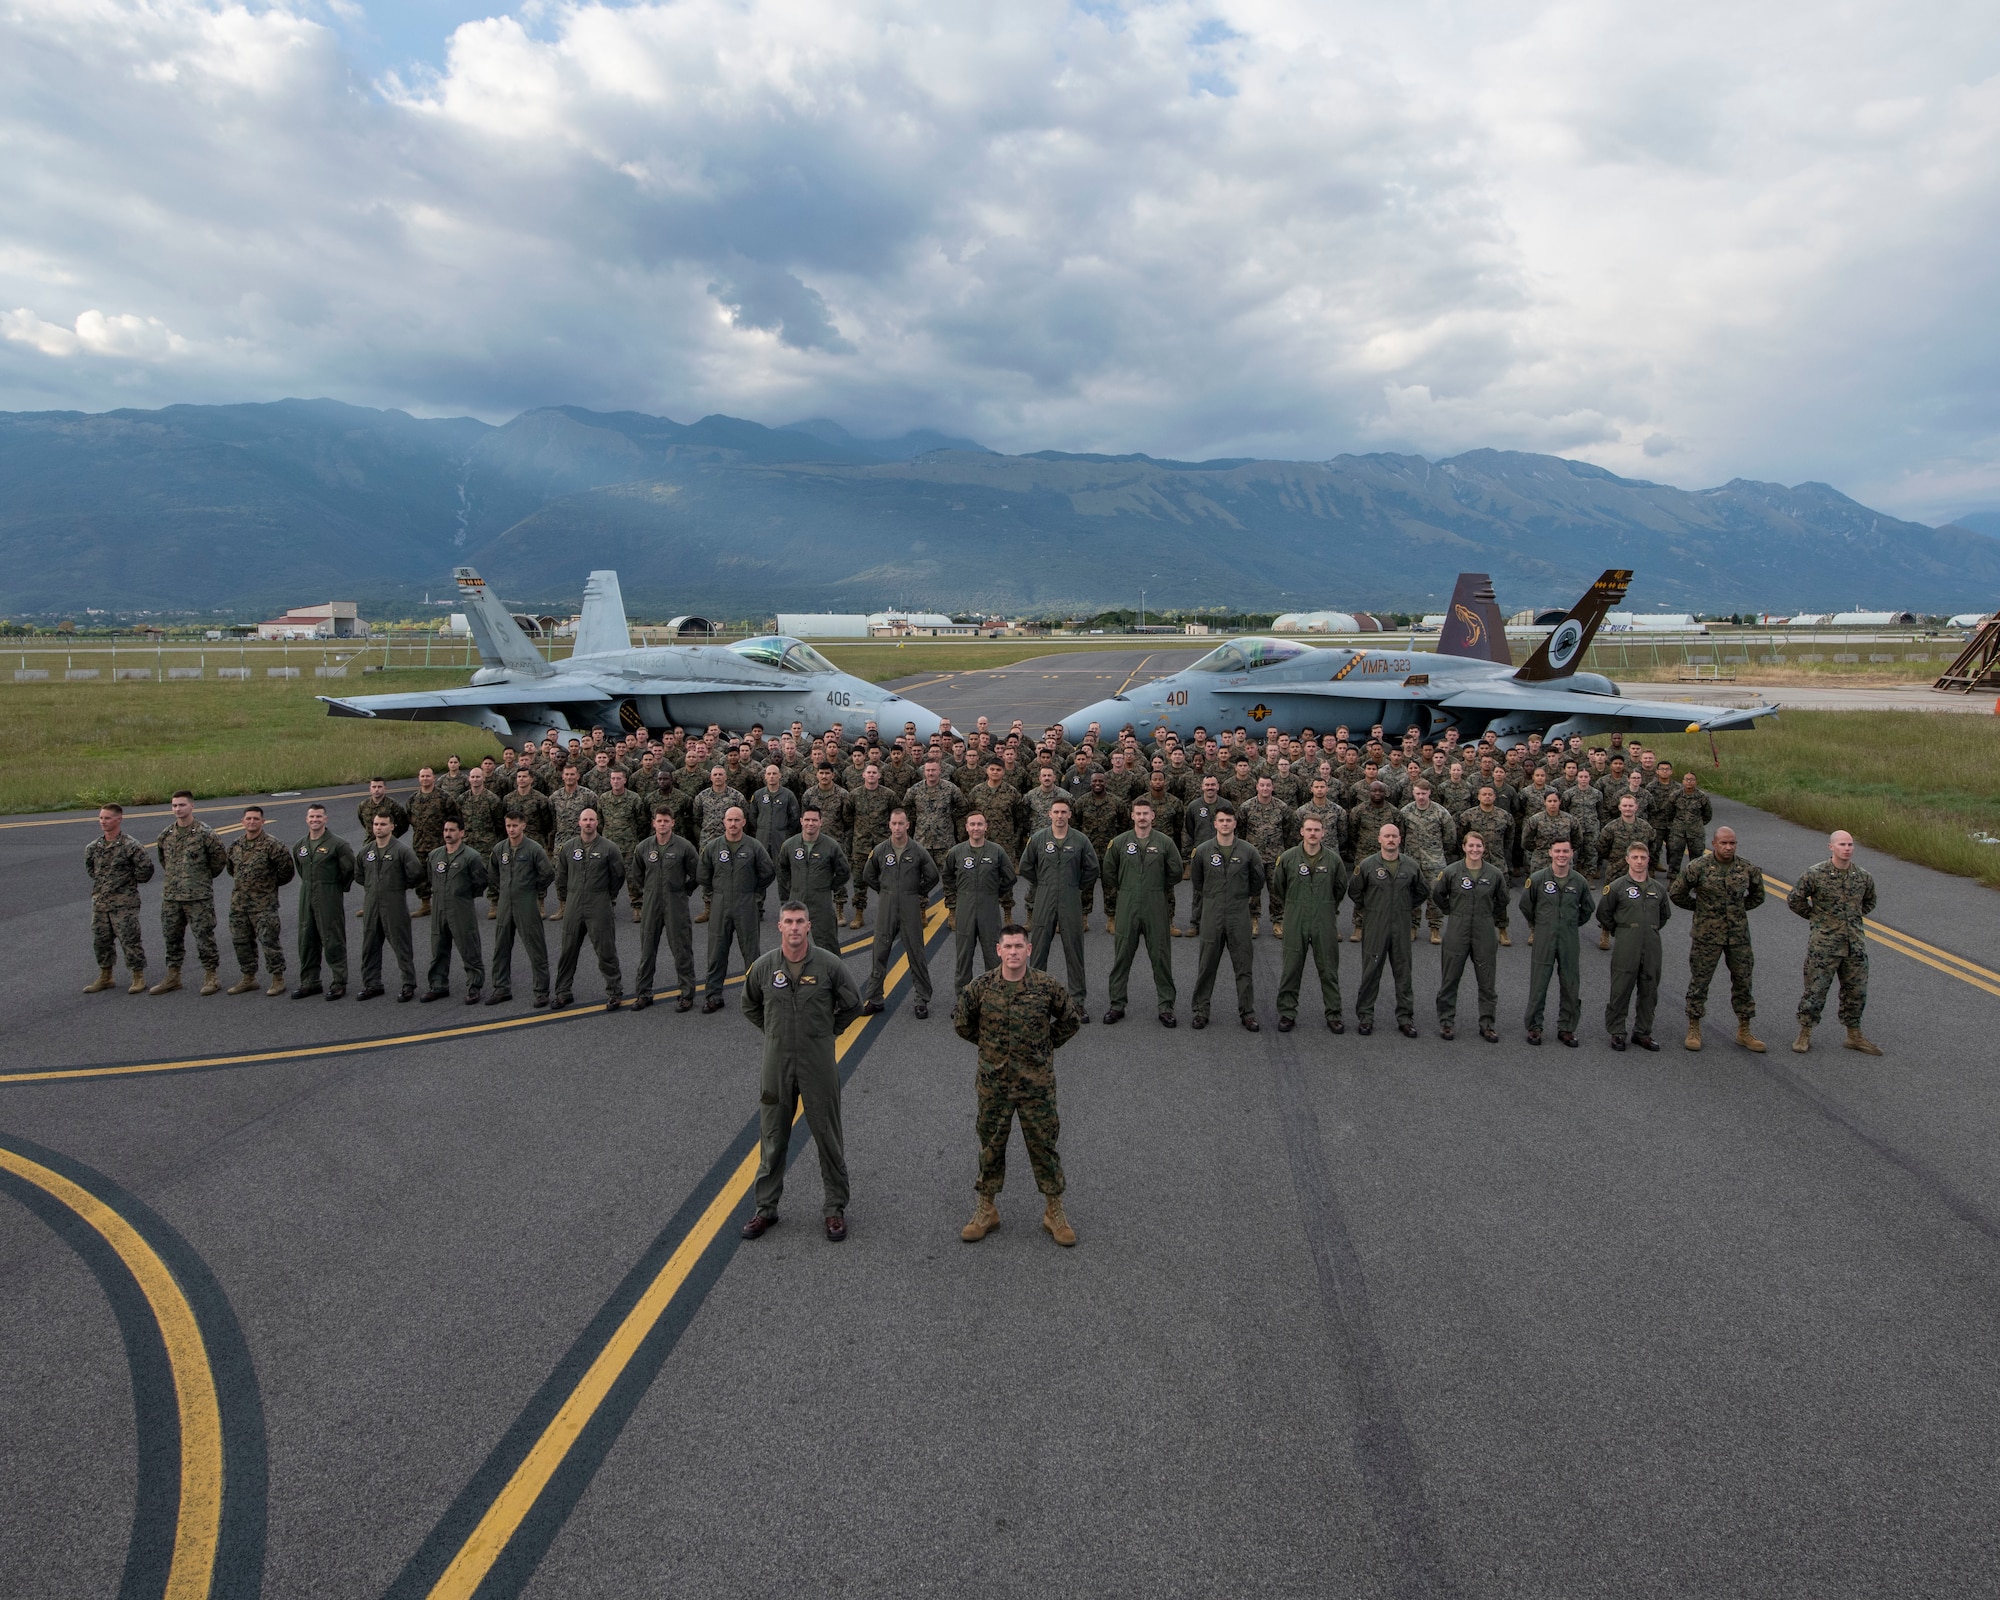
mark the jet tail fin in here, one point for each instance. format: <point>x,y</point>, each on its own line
<point>601,626</point>
<point>499,637</point>
<point>1473,626</point>
<point>1562,651</point>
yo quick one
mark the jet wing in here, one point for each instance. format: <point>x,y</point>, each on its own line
<point>1652,716</point>
<point>441,705</point>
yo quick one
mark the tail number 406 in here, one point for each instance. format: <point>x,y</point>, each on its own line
<point>839,697</point>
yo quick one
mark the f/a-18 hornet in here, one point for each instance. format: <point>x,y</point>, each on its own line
<point>605,682</point>
<point>1470,683</point>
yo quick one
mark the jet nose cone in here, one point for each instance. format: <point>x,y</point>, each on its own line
<point>1105,713</point>
<point>900,711</point>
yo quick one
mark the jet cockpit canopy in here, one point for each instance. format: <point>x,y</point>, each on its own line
<point>786,654</point>
<point>1247,655</point>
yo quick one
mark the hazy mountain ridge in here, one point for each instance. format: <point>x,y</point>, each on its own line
<point>240,508</point>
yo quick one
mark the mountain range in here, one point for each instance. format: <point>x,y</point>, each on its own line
<point>246,509</point>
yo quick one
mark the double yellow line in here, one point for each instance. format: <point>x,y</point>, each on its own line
<point>198,1525</point>
<point>1906,944</point>
<point>510,1508</point>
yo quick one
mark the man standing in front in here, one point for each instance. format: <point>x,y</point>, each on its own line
<point>1633,909</point>
<point>1386,889</point>
<point>1315,881</point>
<point>1555,903</point>
<point>1228,877</point>
<point>1018,1018</point>
<point>902,874</point>
<point>1721,889</point>
<point>1472,894</point>
<point>325,865</point>
<point>457,880</point>
<point>800,997</point>
<point>1143,866</point>
<point>521,874</point>
<point>387,870</point>
<point>117,865</point>
<point>191,859</point>
<point>1835,897</point>
<point>589,874</point>
<point>260,867</point>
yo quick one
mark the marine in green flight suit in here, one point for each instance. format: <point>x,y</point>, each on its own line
<point>325,864</point>
<point>1142,866</point>
<point>1386,888</point>
<point>1228,877</point>
<point>1315,881</point>
<point>1634,907</point>
<point>1555,903</point>
<point>457,880</point>
<point>1472,894</point>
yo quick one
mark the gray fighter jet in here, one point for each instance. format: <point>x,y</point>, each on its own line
<point>1470,683</point>
<point>606,683</point>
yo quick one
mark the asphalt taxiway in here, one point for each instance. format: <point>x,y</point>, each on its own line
<point>306,1298</point>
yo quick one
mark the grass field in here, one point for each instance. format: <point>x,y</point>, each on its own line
<point>1918,785</point>
<point>80,744</point>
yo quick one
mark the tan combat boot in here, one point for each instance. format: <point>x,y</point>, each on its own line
<point>1057,1224</point>
<point>1506,938</point>
<point>1604,939</point>
<point>1110,926</point>
<point>423,910</point>
<point>1749,1040</point>
<point>1253,927</point>
<point>985,1218</point>
<point>277,984</point>
<point>246,984</point>
<point>169,983</point>
<point>104,981</point>
<point>1277,930</point>
<point>1436,937</point>
<point>492,913</point>
<point>1857,1040</point>
<point>1693,1040</point>
<point>211,983</point>
<point>1803,1042</point>
<point>1531,936</point>
<point>1355,936</point>
<point>138,981</point>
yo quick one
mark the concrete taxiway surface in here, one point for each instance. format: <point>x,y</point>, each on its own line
<point>412,1300</point>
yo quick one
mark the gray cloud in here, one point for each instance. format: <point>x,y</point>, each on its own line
<point>1264,227</point>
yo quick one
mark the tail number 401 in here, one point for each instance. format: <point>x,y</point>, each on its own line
<point>1177,697</point>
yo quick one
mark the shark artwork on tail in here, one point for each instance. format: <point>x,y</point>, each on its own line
<point>1470,683</point>
<point>605,682</point>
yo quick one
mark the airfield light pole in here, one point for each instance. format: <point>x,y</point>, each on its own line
<point>1142,610</point>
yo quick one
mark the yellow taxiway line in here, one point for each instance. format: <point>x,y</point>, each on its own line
<point>510,1508</point>
<point>1906,944</point>
<point>198,1524</point>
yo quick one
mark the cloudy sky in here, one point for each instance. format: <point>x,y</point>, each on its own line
<point>1688,242</point>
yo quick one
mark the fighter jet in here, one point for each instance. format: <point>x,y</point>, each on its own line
<point>606,683</point>
<point>1470,683</point>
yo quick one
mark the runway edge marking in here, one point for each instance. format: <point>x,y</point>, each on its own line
<point>492,1538</point>
<point>1908,944</point>
<point>198,1525</point>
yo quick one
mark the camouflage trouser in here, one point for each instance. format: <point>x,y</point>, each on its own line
<point>250,926</point>
<point>114,921</point>
<point>1004,1095</point>
<point>177,917</point>
<point>1681,845</point>
<point>1703,955</point>
<point>1822,967</point>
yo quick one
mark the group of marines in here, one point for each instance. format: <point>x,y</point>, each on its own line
<point>1459,836</point>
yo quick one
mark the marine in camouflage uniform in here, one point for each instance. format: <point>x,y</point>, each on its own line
<point>1429,838</point>
<point>1018,1027</point>
<point>624,818</point>
<point>1585,802</point>
<point>485,826</point>
<point>1364,826</point>
<point>1835,897</point>
<point>1005,812</point>
<point>1688,814</point>
<point>1100,816</point>
<point>1264,822</point>
<point>1721,889</point>
<point>191,859</point>
<point>937,808</point>
<point>259,868</point>
<point>1543,828</point>
<point>117,867</point>
<point>871,827</point>
<point>430,809</point>
<point>836,822</point>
